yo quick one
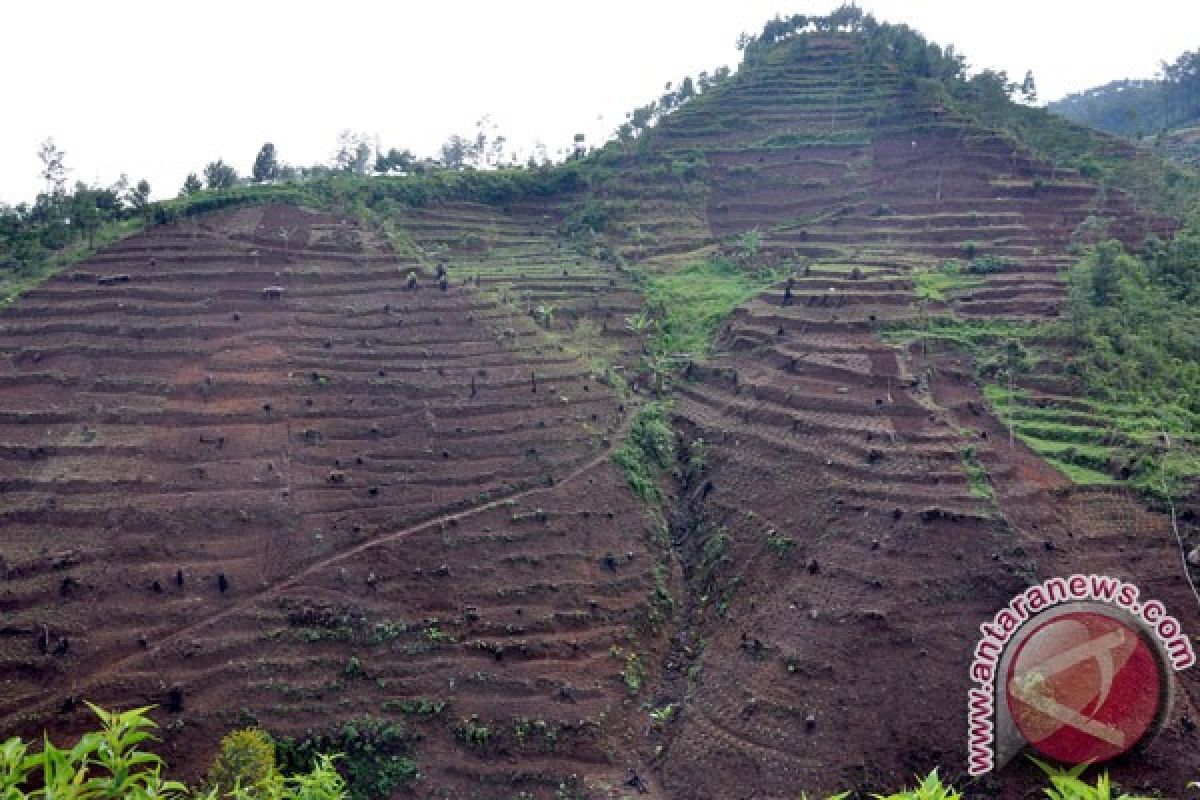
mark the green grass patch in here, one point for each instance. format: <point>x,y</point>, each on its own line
<point>789,140</point>
<point>1081,475</point>
<point>980,337</point>
<point>1092,440</point>
<point>933,284</point>
<point>981,487</point>
<point>697,300</point>
<point>1086,440</point>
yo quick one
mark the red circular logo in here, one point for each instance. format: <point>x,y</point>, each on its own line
<point>1084,687</point>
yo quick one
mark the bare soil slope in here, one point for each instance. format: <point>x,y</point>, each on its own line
<point>247,471</point>
<point>242,462</point>
<point>850,511</point>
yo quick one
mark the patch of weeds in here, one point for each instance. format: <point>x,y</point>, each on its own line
<point>473,733</point>
<point>634,673</point>
<point>417,707</point>
<point>663,715</point>
<point>782,545</point>
<point>986,265</point>
<point>377,756</point>
<point>354,668</point>
<point>981,487</point>
<point>730,591</point>
<point>536,732</point>
<point>696,455</point>
<point>932,285</point>
<point>716,552</point>
<point>662,602</point>
<point>648,450</point>
<point>436,635</point>
<point>387,631</point>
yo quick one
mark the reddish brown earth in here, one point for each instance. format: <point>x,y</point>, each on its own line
<point>389,535</point>
<point>324,452</point>
<point>843,661</point>
<point>868,624</point>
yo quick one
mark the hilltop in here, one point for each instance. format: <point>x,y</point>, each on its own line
<point>699,473</point>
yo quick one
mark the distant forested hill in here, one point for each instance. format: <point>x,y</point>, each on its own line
<point>1140,107</point>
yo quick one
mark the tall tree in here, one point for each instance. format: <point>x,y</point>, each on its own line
<point>219,175</point>
<point>53,170</point>
<point>1029,88</point>
<point>85,217</point>
<point>266,165</point>
<point>191,184</point>
<point>455,152</point>
<point>402,160</point>
<point>354,152</point>
<point>139,198</point>
<point>686,91</point>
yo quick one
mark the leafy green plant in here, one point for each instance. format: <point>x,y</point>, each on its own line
<point>986,265</point>
<point>748,244</point>
<point>930,788</point>
<point>981,485</point>
<point>665,714</point>
<point>322,782</point>
<point>101,765</point>
<point>1068,784</point>
<point>109,764</point>
<point>474,733</point>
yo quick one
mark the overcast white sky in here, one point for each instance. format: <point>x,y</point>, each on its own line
<point>156,89</point>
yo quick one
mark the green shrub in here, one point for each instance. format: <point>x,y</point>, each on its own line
<point>376,758</point>
<point>985,265</point>
<point>634,673</point>
<point>246,758</point>
<point>109,765</point>
<point>649,449</point>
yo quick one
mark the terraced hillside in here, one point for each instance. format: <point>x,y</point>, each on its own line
<point>518,260</point>
<point>1181,144</point>
<point>262,480</point>
<point>852,508</point>
<point>252,475</point>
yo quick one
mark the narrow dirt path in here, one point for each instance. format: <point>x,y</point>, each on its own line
<point>617,438</point>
